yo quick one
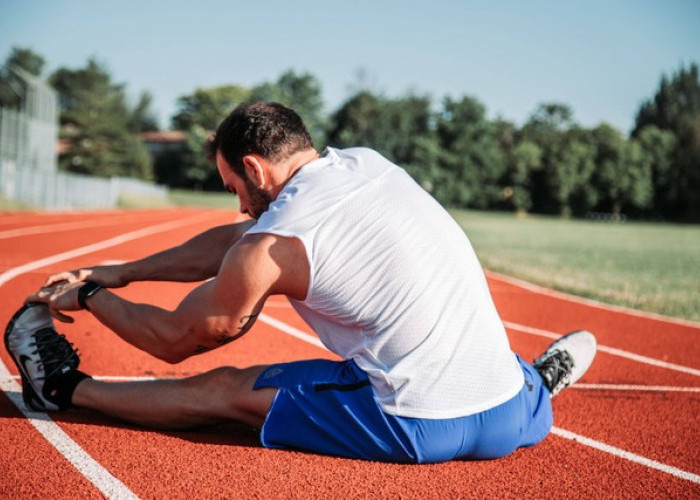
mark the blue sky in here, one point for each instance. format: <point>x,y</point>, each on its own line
<point>603,58</point>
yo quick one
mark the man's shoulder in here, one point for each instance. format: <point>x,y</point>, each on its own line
<point>279,260</point>
<point>358,153</point>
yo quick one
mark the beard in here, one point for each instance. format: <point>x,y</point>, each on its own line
<point>259,199</point>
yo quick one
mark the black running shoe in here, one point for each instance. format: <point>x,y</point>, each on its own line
<point>566,360</point>
<point>40,353</point>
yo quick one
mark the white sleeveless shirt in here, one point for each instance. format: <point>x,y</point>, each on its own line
<point>395,285</point>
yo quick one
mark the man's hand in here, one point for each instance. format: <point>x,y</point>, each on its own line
<point>60,297</point>
<point>107,276</point>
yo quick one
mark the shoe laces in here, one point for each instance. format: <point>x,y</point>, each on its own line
<point>55,352</point>
<point>556,367</point>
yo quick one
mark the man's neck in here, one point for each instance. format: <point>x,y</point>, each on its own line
<point>283,171</point>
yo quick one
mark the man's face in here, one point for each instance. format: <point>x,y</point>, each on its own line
<point>253,200</point>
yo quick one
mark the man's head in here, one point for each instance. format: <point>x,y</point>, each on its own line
<point>269,130</point>
<point>252,138</point>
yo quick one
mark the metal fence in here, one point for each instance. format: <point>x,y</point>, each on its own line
<point>66,191</point>
<point>28,163</point>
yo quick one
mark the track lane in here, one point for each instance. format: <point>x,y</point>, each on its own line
<point>652,337</point>
<point>31,467</point>
<point>7,309</point>
<point>664,432</point>
<point>252,471</point>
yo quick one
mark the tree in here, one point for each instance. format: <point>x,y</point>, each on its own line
<point>549,128</point>
<point>301,92</point>
<point>610,177</point>
<point>355,123</point>
<point>11,87</point>
<point>568,173</point>
<point>675,103</point>
<point>547,124</point>
<point>526,158</point>
<point>623,174</point>
<point>391,126</point>
<point>207,107</point>
<point>28,60</point>
<point>470,153</point>
<point>657,147</point>
<point>198,115</point>
<point>676,108</point>
<point>400,129</point>
<point>199,171</point>
<point>95,121</point>
<point>201,112</point>
<point>142,118</point>
<point>522,159</point>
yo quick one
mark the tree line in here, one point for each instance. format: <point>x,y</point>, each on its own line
<point>550,164</point>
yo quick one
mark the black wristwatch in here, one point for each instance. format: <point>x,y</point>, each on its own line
<point>86,291</point>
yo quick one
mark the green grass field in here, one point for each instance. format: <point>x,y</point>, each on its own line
<point>182,198</point>
<point>200,199</point>
<point>7,205</point>
<point>652,267</point>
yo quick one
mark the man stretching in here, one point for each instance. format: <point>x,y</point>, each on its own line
<point>376,267</point>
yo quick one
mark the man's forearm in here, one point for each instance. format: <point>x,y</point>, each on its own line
<point>197,259</point>
<point>147,327</point>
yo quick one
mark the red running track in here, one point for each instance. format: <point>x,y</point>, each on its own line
<point>628,430</point>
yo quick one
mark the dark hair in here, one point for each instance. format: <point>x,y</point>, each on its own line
<point>269,129</point>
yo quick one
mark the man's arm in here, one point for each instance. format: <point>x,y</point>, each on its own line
<point>215,313</point>
<point>195,260</point>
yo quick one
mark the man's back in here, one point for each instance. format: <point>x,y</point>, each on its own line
<point>396,286</point>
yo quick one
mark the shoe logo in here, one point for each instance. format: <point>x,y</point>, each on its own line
<point>23,361</point>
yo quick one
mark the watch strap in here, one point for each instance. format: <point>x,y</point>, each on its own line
<point>86,291</point>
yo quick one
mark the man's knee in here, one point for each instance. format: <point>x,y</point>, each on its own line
<point>232,392</point>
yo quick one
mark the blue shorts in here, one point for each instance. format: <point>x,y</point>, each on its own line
<point>328,407</point>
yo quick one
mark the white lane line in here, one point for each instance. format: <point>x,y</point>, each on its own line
<point>103,480</point>
<point>555,430</point>
<point>294,332</point>
<point>111,262</point>
<point>101,245</point>
<point>590,302</point>
<point>618,452</point>
<point>610,350</point>
<point>67,226</point>
<point>629,387</point>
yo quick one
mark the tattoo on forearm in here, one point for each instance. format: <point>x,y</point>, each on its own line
<point>246,322</point>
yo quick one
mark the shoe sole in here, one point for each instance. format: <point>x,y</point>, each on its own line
<point>29,393</point>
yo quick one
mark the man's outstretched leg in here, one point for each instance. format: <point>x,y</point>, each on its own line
<point>48,366</point>
<point>221,395</point>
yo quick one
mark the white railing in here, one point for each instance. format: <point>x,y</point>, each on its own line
<point>68,191</point>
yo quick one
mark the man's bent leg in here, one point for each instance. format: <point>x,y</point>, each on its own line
<point>216,396</point>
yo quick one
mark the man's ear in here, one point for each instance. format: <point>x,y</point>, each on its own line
<point>255,168</point>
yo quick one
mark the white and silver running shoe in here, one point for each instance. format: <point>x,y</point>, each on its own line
<point>566,360</point>
<point>39,353</point>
